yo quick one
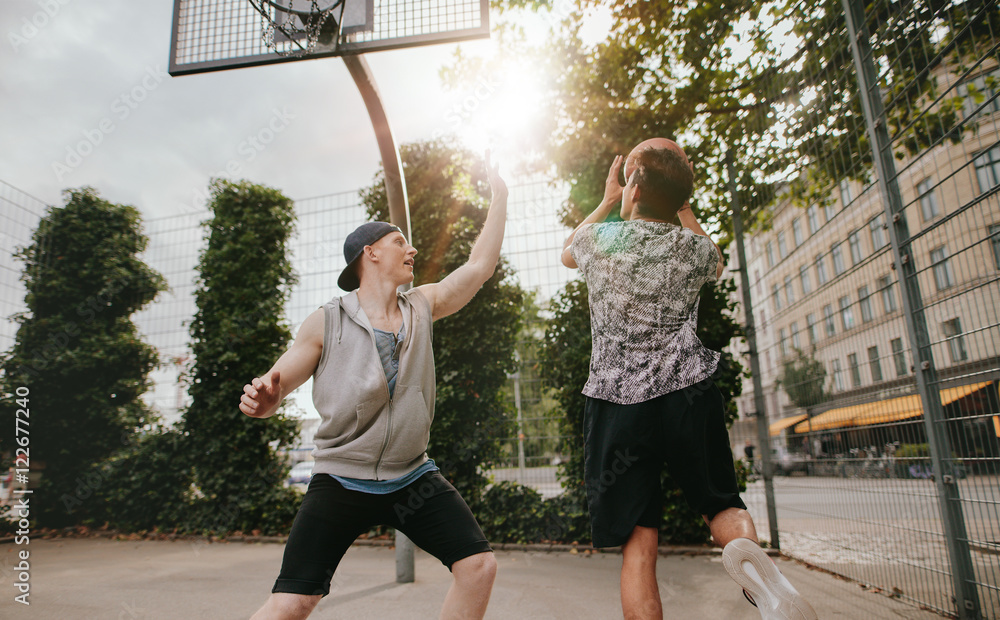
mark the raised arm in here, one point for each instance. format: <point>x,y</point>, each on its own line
<point>262,395</point>
<point>612,196</point>
<point>689,221</point>
<point>459,287</point>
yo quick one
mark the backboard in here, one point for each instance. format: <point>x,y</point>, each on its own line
<point>214,35</point>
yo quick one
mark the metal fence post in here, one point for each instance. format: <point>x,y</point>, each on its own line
<point>750,329</point>
<point>953,521</point>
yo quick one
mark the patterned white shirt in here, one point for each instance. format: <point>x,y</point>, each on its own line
<point>644,280</point>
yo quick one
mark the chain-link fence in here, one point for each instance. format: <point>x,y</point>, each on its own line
<point>19,215</point>
<point>875,293</point>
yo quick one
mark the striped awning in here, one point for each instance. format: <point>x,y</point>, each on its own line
<point>883,411</point>
<point>782,424</point>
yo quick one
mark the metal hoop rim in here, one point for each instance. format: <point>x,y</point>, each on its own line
<point>300,13</point>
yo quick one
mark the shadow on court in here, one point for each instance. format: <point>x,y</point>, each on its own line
<point>95,578</point>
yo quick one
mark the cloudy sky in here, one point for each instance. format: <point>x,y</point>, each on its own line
<point>74,71</point>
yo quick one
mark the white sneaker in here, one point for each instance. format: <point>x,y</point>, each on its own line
<point>767,588</point>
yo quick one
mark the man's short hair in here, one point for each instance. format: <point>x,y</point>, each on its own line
<point>665,182</point>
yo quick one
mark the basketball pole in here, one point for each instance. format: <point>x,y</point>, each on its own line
<point>395,184</point>
<point>399,214</point>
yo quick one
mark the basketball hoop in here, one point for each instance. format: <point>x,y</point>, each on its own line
<point>299,27</point>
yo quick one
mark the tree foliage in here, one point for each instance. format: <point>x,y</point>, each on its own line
<point>77,350</point>
<point>772,84</point>
<point>238,331</point>
<point>804,379</point>
<point>474,348</point>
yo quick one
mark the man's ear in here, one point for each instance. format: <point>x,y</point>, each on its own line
<point>635,194</point>
<point>370,253</point>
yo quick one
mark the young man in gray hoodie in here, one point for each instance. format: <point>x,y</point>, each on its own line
<point>369,353</point>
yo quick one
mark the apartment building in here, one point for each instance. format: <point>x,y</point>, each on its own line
<point>824,288</point>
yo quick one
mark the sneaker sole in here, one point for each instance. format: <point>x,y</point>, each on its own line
<point>775,598</point>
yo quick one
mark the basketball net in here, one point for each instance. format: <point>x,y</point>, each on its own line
<point>297,27</point>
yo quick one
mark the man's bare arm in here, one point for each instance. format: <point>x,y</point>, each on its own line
<point>612,196</point>
<point>689,221</point>
<point>459,287</point>
<point>262,395</point>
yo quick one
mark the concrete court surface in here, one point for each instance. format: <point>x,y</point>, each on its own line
<point>80,579</point>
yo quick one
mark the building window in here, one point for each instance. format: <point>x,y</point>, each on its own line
<point>943,275</point>
<point>807,285</point>
<point>838,259</point>
<point>812,215</point>
<point>887,286</point>
<point>988,169</point>
<point>831,327</point>
<point>855,370</point>
<point>797,231</point>
<point>829,211</point>
<point>763,321</point>
<point>782,246</point>
<point>769,249</point>
<point>783,342</point>
<point>846,314</point>
<point>820,270</point>
<point>875,364</point>
<point>865,304</point>
<point>776,294</point>
<point>796,342</point>
<point>928,200</point>
<point>995,243</point>
<point>838,376</point>
<point>980,91</point>
<point>789,290</point>
<point>846,195</point>
<point>811,327</point>
<point>956,344</point>
<point>899,357</point>
<point>854,240</point>
<point>877,229</point>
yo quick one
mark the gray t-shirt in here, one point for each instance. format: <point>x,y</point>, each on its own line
<point>387,344</point>
<point>644,279</point>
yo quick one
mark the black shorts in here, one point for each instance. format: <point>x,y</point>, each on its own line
<point>429,511</point>
<point>626,446</point>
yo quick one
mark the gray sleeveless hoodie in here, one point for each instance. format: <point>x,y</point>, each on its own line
<point>363,433</point>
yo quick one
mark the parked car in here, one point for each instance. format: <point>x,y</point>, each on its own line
<point>301,473</point>
<point>787,463</point>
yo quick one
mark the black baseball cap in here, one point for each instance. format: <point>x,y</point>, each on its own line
<point>354,245</point>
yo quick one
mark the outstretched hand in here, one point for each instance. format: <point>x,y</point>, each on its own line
<point>260,397</point>
<point>612,186</point>
<point>497,184</point>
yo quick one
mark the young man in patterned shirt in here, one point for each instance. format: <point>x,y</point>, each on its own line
<point>650,395</point>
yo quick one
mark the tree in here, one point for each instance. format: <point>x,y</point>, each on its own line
<point>238,331</point>
<point>803,379</point>
<point>771,83</point>
<point>564,367</point>
<point>474,348</point>
<point>77,351</point>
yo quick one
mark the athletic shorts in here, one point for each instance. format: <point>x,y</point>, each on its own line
<point>429,511</point>
<point>626,447</point>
